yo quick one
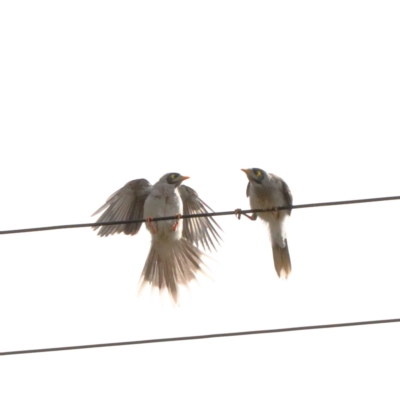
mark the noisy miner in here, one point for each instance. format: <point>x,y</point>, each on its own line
<point>173,259</point>
<point>268,191</point>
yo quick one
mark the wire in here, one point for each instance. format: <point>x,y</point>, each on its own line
<point>213,214</point>
<point>212,336</point>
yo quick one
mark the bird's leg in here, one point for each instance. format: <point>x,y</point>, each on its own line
<point>239,213</point>
<point>175,226</point>
<point>275,213</point>
<point>149,220</point>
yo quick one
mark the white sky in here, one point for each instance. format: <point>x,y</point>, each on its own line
<point>94,94</point>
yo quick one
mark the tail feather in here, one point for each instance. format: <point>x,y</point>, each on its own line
<point>282,263</point>
<point>170,264</point>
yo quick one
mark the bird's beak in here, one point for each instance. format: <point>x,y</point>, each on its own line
<point>183,178</point>
<point>246,171</point>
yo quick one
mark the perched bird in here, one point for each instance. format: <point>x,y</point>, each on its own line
<point>173,259</point>
<point>268,191</point>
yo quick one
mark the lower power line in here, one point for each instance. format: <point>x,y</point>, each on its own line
<point>211,336</point>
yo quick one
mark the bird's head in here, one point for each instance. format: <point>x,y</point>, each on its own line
<point>173,178</point>
<point>255,174</point>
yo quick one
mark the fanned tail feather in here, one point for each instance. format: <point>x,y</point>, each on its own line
<point>170,264</point>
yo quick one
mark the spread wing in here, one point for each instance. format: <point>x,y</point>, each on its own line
<point>125,204</point>
<point>202,230</point>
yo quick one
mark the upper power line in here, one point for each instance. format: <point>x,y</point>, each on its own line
<point>213,214</point>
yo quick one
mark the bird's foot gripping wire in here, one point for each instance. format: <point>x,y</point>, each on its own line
<point>149,220</point>
<point>239,213</point>
<point>175,226</point>
<point>275,213</point>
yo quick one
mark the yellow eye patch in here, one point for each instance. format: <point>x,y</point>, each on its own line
<point>258,173</point>
<point>172,176</point>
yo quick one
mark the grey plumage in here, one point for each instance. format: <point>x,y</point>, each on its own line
<point>173,258</point>
<point>268,191</point>
<point>170,264</point>
<point>198,230</point>
<point>125,204</point>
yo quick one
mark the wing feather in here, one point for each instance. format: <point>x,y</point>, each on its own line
<point>285,190</point>
<point>125,204</point>
<point>203,230</point>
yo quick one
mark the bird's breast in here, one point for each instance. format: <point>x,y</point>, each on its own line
<point>266,198</point>
<point>164,203</point>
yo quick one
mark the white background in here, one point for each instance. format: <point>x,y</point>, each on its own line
<point>94,94</point>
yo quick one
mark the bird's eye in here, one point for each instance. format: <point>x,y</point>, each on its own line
<point>258,173</point>
<point>172,176</point>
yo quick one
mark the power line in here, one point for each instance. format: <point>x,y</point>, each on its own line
<point>213,214</point>
<point>211,336</point>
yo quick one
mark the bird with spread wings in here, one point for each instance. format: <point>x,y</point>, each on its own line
<point>174,258</point>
